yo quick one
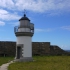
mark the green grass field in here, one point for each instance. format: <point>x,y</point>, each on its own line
<point>43,63</point>
<point>5,60</point>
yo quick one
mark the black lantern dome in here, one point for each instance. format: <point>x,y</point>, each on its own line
<point>24,18</point>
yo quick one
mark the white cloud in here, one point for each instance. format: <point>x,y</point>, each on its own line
<point>2,23</point>
<point>66,27</point>
<point>3,11</point>
<point>36,5</point>
<point>43,5</point>
<point>5,15</point>
<point>14,23</point>
<point>5,39</point>
<point>65,47</point>
<point>6,4</point>
<point>43,30</point>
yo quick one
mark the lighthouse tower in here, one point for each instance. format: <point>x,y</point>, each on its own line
<point>24,33</point>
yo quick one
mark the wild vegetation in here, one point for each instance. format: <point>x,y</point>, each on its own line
<point>5,60</point>
<point>43,63</point>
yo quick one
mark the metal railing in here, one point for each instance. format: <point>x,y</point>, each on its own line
<point>17,27</point>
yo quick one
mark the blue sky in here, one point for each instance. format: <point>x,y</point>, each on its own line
<point>50,17</point>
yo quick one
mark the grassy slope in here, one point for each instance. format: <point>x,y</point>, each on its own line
<point>43,63</point>
<point>5,60</point>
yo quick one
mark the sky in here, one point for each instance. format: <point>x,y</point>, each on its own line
<point>51,20</point>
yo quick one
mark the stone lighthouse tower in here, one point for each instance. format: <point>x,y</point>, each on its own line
<point>24,33</point>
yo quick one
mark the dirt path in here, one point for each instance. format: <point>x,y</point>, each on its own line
<point>5,66</point>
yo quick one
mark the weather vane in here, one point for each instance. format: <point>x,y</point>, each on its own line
<point>24,11</point>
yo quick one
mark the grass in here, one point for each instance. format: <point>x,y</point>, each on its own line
<point>43,63</point>
<point>5,60</point>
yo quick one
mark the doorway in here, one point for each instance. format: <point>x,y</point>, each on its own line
<point>19,52</point>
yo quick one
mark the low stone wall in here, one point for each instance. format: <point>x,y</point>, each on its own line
<point>8,48</point>
<point>41,48</point>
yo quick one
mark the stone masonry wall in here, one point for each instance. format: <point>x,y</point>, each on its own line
<point>41,48</point>
<point>8,48</point>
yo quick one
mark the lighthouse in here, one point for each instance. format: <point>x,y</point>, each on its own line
<point>24,33</point>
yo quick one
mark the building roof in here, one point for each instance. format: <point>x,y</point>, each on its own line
<point>24,18</point>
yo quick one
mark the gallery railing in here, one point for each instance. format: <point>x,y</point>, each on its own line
<point>31,27</point>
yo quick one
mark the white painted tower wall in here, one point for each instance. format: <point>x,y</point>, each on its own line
<point>27,45</point>
<point>26,41</point>
<point>23,30</point>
